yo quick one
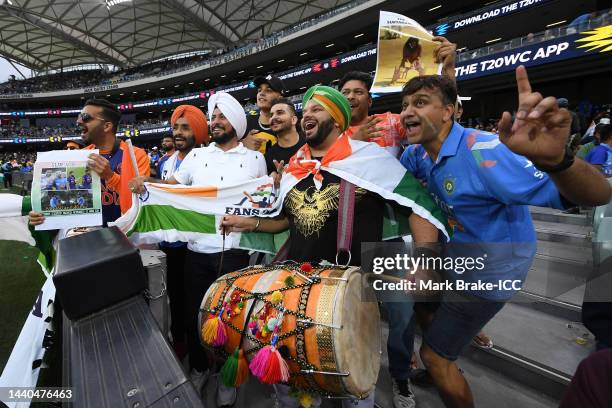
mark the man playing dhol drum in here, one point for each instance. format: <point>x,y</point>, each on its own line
<point>311,192</point>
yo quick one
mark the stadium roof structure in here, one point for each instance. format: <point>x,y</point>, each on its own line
<point>50,34</point>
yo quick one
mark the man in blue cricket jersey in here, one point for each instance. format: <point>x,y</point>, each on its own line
<point>169,149</point>
<point>71,181</point>
<point>61,182</point>
<point>484,183</point>
<point>86,180</point>
<point>53,202</point>
<point>601,155</point>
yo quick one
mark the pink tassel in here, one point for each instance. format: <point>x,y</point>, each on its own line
<point>277,370</point>
<point>221,337</point>
<point>260,362</point>
<point>269,366</point>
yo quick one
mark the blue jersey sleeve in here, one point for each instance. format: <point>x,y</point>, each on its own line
<point>597,156</point>
<point>160,165</point>
<point>510,178</point>
<point>412,160</point>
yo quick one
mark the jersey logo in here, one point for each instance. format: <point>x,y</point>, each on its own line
<point>449,185</point>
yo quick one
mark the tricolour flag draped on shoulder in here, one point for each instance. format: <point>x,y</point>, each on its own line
<point>185,213</point>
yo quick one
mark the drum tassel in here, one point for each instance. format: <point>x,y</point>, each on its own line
<point>214,331</point>
<point>269,365</point>
<point>235,371</point>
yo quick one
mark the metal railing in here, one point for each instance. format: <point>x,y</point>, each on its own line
<point>602,18</point>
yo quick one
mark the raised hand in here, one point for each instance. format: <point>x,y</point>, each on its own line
<point>369,129</point>
<point>251,141</point>
<point>100,165</point>
<point>540,130</point>
<point>445,55</point>
<point>136,185</point>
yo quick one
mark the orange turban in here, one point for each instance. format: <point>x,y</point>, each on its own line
<point>196,119</point>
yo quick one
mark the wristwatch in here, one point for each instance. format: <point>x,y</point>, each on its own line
<point>565,164</point>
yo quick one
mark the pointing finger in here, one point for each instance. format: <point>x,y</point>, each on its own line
<point>522,81</point>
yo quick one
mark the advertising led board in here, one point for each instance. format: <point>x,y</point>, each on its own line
<point>483,15</point>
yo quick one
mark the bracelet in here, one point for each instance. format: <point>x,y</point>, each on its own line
<point>257,225</point>
<point>565,163</point>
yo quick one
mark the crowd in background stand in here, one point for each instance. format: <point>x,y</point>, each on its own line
<point>80,79</point>
<point>14,130</point>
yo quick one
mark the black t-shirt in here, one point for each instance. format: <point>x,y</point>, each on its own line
<point>281,153</point>
<point>313,220</point>
<point>265,131</point>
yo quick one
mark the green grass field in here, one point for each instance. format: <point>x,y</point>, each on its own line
<point>21,279</point>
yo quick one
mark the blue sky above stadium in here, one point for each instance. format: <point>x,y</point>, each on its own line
<point>6,70</point>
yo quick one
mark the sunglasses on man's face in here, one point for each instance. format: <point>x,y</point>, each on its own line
<point>86,117</point>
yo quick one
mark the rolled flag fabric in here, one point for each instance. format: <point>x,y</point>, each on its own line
<point>14,227</point>
<point>196,119</point>
<point>231,109</point>
<point>332,101</point>
<point>185,213</point>
<point>182,213</point>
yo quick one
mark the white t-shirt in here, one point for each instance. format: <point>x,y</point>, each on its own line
<point>212,166</point>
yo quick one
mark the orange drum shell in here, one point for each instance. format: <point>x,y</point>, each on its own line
<point>353,349</point>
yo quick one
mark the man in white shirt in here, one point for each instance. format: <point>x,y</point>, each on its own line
<point>224,162</point>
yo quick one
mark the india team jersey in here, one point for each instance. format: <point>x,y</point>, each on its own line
<point>602,156</point>
<point>484,189</point>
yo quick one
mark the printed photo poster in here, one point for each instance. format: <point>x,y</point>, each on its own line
<point>405,50</point>
<point>65,190</point>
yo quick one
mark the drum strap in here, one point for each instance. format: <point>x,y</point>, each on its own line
<point>346,213</point>
<point>344,233</point>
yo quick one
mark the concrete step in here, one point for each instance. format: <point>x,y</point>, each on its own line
<point>579,235</point>
<point>554,215</point>
<point>559,280</point>
<point>490,387</point>
<point>534,347</point>
<point>562,251</point>
<point>555,306</point>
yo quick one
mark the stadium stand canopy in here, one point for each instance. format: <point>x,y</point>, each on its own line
<point>51,34</point>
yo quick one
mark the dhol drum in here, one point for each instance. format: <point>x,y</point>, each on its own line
<point>322,322</point>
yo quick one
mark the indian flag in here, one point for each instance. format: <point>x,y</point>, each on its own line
<point>186,213</point>
<point>371,167</point>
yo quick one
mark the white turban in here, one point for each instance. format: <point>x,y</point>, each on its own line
<point>231,109</point>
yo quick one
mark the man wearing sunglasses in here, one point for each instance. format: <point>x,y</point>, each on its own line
<point>98,123</point>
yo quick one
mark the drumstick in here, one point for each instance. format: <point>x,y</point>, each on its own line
<point>222,252</point>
